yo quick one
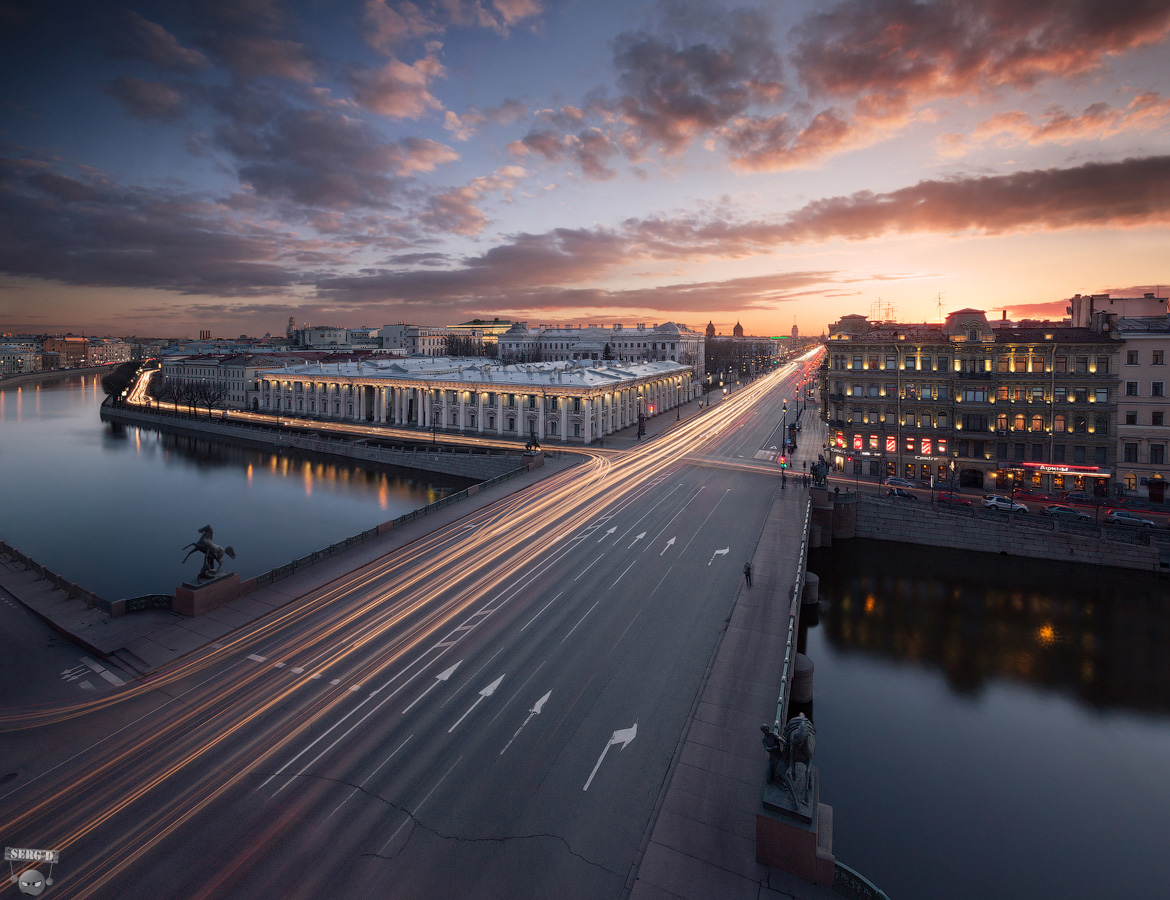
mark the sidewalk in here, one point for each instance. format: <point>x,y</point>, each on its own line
<point>142,641</point>
<point>702,843</point>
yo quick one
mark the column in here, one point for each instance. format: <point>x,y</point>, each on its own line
<point>500,414</point>
<point>588,420</point>
<point>479,412</point>
<point>462,409</point>
<point>564,401</point>
<point>540,417</point>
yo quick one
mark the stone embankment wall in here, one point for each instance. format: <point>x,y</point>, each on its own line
<point>53,375</point>
<point>1030,535</point>
<point>478,466</point>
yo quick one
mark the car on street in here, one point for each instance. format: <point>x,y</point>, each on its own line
<point>900,494</point>
<point>894,481</point>
<point>1032,495</point>
<point>952,499</point>
<point>1078,497</point>
<point>1007,504</point>
<point>1125,517</point>
<point>1060,511</point>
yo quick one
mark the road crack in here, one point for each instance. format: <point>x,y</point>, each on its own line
<point>417,823</point>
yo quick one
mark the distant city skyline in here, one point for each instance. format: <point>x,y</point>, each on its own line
<point>168,169</point>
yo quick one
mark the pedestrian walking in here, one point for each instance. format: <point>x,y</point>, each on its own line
<point>783,479</point>
<point>747,573</point>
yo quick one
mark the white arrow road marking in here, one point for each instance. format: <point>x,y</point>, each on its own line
<point>636,539</point>
<point>486,692</point>
<point>608,533</point>
<point>622,736</point>
<point>722,552</point>
<point>669,544</point>
<point>439,679</point>
<point>535,711</point>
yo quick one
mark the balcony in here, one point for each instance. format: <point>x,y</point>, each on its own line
<point>977,376</point>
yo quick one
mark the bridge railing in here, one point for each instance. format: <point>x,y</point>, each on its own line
<point>793,624</point>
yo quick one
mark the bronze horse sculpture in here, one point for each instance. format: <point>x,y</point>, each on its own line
<point>212,552</point>
<point>796,745</point>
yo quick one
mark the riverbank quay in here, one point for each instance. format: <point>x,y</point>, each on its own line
<point>28,379</point>
<point>476,463</point>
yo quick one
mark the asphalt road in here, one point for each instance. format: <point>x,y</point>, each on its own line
<point>490,712</point>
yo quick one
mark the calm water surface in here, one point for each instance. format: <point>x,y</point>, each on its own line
<point>109,507</point>
<point>991,727</point>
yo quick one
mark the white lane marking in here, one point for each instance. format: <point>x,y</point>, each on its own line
<point>297,670</point>
<point>410,816</point>
<point>255,657</point>
<point>483,695</point>
<point>336,681</point>
<point>85,686</point>
<point>722,552</point>
<point>622,736</point>
<point>627,628</point>
<point>608,533</point>
<point>367,778</point>
<point>590,566</point>
<point>705,520</point>
<point>315,675</point>
<point>355,687</point>
<point>279,665</point>
<point>669,544</point>
<point>636,539</point>
<point>582,619</point>
<point>623,575</point>
<point>535,711</point>
<point>542,609</point>
<point>103,671</point>
<point>508,702</point>
<point>439,679</point>
<point>477,673</point>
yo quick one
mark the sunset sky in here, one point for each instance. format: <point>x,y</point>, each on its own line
<point>175,166</point>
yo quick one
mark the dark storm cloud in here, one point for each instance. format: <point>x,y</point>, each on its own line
<point>92,233</point>
<point>146,100</point>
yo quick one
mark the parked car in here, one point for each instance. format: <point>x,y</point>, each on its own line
<point>1007,504</point>
<point>894,481</point>
<point>953,499</point>
<point>1060,511</point>
<point>1125,517</point>
<point>1078,497</point>
<point>900,493</point>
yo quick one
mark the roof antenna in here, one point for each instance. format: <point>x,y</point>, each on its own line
<point>940,315</point>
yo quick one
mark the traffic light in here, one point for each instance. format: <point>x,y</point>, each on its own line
<point>783,462</point>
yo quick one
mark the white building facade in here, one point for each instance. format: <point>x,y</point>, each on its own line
<point>670,342</point>
<point>546,401</point>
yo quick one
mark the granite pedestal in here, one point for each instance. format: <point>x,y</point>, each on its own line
<point>196,599</point>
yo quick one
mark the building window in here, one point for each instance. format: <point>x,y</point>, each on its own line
<point>1131,357</point>
<point>1037,453</point>
<point>1102,395</point>
<point>1019,451</point>
<point>1018,422</point>
<point>1079,455</point>
<point>1130,481</point>
<point>942,420</point>
<point>1101,454</point>
<point>1037,423</point>
<point>1082,365</point>
<point>1102,365</point>
<point>1157,389</point>
<point>1101,425</point>
<point>1001,422</point>
<point>1001,392</point>
<point>1156,418</point>
<point>1131,389</point>
<point>1058,453</point>
<point>1060,395</point>
<point>1037,395</point>
<point>1061,364</point>
<point>1130,452</point>
<point>1058,424</point>
<point>1131,417</point>
<point>1079,426</point>
<point>1157,454</point>
<point>1159,358</point>
<point>1081,395</point>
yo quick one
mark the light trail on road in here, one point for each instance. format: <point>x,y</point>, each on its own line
<point>380,628</point>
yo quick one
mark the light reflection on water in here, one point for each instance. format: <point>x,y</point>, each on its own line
<point>109,507</point>
<point>993,727</point>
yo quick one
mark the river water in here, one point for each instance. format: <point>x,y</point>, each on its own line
<point>993,727</point>
<point>109,507</point>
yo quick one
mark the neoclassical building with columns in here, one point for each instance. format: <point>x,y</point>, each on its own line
<point>568,401</point>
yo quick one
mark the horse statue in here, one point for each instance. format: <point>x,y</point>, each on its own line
<point>796,745</point>
<point>820,471</point>
<point>212,553</point>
